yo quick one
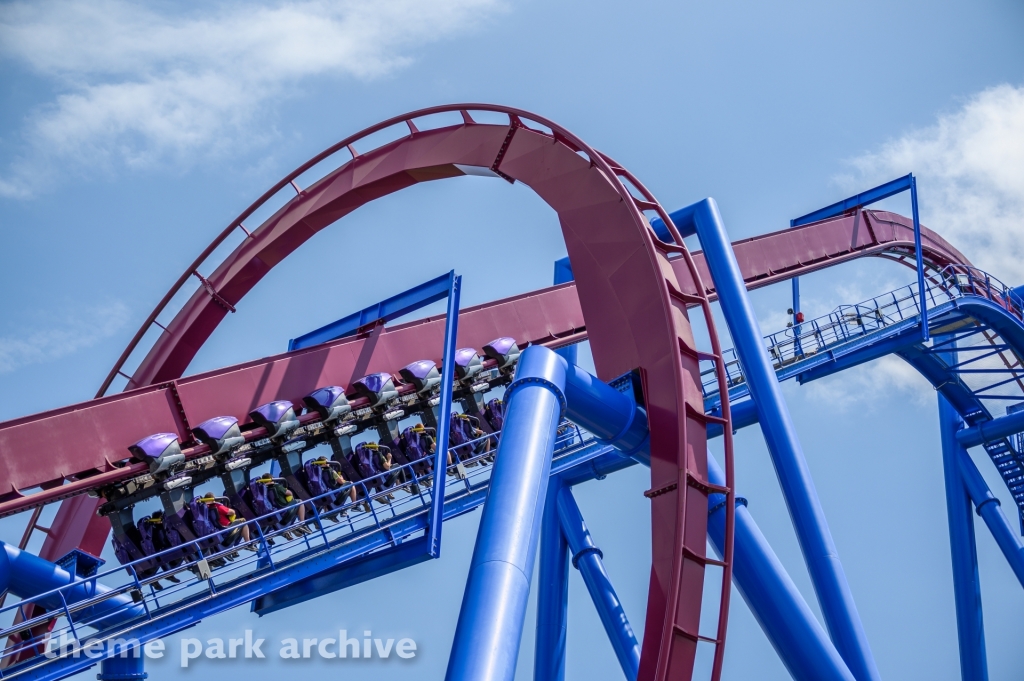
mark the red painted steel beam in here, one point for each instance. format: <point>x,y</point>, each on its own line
<point>83,439</point>
<point>85,443</point>
<point>778,256</point>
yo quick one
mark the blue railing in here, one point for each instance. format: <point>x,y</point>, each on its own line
<point>383,512</point>
<point>848,323</point>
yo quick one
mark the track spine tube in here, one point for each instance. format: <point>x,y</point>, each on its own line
<point>819,549</point>
<point>131,668</point>
<point>35,579</point>
<point>987,506</point>
<point>963,550</point>
<point>588,559</point>
<point>487,638</point>
<point>553,593</point>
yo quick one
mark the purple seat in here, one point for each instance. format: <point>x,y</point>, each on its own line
<point>423,375</point>
<point>379,388</point>
<point>277,417</point>
<point>161,451</point>
<point>494,412</point>
<point>461,430</point>
<point>221,434</point>
<point>467,363</point>
<point>329,403</point>
<point>504,351</point>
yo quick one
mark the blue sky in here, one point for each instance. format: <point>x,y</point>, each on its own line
<point>130,135</point>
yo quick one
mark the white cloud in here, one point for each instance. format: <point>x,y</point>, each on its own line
<point>136,86</point>
<point>970,173</point>
<point>872,384</point>
<point>970,170</point>
<point>78,330</point>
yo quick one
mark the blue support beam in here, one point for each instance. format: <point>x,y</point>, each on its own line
<point>987,506</point>
<point>681,220</point>
<point>552,592</point>
<point>487,638</point>
<point>384,311</point>
<point>990,431</point>
<point>848,205</point>
<point>963,550</point>
<point>761,579</point>
<point>451,333</point>
<point>819,549</point>
<point>587,558</point>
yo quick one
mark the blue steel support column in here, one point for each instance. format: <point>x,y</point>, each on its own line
<point>919,258</point>
<point>966,585</point>
<point>451,333</point>
<point>988,508</point>
<point>490,627</point>
<point>586,558</point>
<point>819,550</point>
<point>552,593</point>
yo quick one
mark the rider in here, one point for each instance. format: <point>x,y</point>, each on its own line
<point>282,497</point>
<point>464,428</point>
<point>158,532</point>
<point>226,517</point>
<point>334,480</point>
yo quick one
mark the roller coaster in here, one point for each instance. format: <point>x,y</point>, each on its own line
<point>485,408</point>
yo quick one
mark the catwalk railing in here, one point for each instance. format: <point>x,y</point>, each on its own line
<point>385,513</point>
<point>850,323</point>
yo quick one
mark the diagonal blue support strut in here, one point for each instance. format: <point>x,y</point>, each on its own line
<point>963,551</point>
<point>384,311</point>
<point>987,506</point>
<point>819,549</point>
<point>552,593</point>
<point>587,558</point>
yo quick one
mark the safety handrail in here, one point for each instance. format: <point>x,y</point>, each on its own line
<point>850,322</point>
<point>573,438</point>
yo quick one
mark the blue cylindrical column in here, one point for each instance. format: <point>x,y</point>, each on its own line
<point>988,508</point>
<point>963,550</point>
<point>552,593</point>
<point>490,627</point>
<point>27,575</point>
<point>772,596</point>
<point>819,550</point>
<point>586,557</point>
<point>123,668</point>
